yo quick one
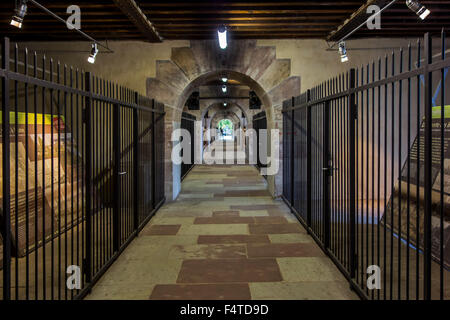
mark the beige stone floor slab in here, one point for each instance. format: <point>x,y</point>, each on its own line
<point>222,229</point>
<point>141,273</point>
<point>307,290</point>
<point>167,219</point>
<point>208,251</point>
<point>309,269</point>
<point>290,238</point>
<point>254,213</point>
<point>125,292</point>
<point>165,240</point>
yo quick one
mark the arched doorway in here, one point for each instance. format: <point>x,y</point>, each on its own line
<point>256,67</point>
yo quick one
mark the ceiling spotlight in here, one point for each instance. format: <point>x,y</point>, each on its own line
<point>224,79</point>
<point>224,104</point>
<point>343,52</point>
<point>224,88</point>
<point>418,8</point>
<point>93,54</point>
<point>222,34</point>
<point>18,17</point>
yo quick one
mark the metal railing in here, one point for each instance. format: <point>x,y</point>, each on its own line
<point>260,123</point>
<point>82,173</point>
<point>366,170</point>
<point>188,123</point>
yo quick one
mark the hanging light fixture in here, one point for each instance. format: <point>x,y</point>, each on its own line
<point>21,11</point>
<point>224,88</point>
<point>222,35</point>
<point>224,79</point>
<point>94,51</point>
<point>343,51</point>
<point>418,8</point>
<point>224,104</point>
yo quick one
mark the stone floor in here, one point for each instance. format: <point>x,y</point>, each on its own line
<point>224,238</point>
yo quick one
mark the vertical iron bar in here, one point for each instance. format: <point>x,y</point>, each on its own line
<point>292,153</point>
<point>308,161</point>
<point>442,173</point>
<point>326,173</point>
<point>6,218</point>
<point>116,179</point>
<point>153,156</point>
<point>16,168</point>
<point>88,176</point>
<point>408,191</point>
<point>27,200</point>
<point>352,174</point>
<point>399,244</point>
<point>136,162</point>
<point>428,167</point>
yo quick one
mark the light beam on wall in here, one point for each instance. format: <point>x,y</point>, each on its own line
<point>222,35</point>
<point>18,17</point>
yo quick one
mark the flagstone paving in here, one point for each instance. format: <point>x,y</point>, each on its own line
<point>224,238</point>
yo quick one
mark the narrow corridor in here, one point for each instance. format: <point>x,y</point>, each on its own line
<point>224,238</point>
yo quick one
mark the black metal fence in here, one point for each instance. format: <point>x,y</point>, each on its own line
<point>188,123</point>
<point>82,172</point>
<point>260,123</point>
<point>366,168</point>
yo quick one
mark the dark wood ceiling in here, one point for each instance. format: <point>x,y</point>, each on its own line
<point>262,19</point>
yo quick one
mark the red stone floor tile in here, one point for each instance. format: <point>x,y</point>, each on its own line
<point>240,238</point>
<point>223,220</point>
<point>254,207</point>
<point>161,229</point>
<point>229,213</point>
<point>261,220</point>
<point>229,270</point>
<point>274,250</point>
<point>247,193</point>
<point>275,228</point>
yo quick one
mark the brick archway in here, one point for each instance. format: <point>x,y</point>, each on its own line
<point>243,60</point>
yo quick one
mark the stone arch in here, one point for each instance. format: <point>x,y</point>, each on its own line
<point>232,104</point>
<point>225,115</point>
<point>216,107</point>
<point>243,60</point>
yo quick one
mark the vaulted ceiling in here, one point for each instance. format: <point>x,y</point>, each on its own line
<point>182,19</point>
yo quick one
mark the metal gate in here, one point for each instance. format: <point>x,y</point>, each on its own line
<point>365,166</point>
<point>188,123</point>
<point>82,173</point>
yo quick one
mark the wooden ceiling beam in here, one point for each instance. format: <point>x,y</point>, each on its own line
<point>355,19</point>
<point>139,19</point>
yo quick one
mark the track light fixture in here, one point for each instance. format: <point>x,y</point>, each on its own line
<point>343,51</point>
<point>94,51</point>
<point>224,88</point>
<point>418,8</point>
<point>222,35</point>
<point>21,11</point>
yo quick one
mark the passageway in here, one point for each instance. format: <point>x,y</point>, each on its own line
<point>224,238</point>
